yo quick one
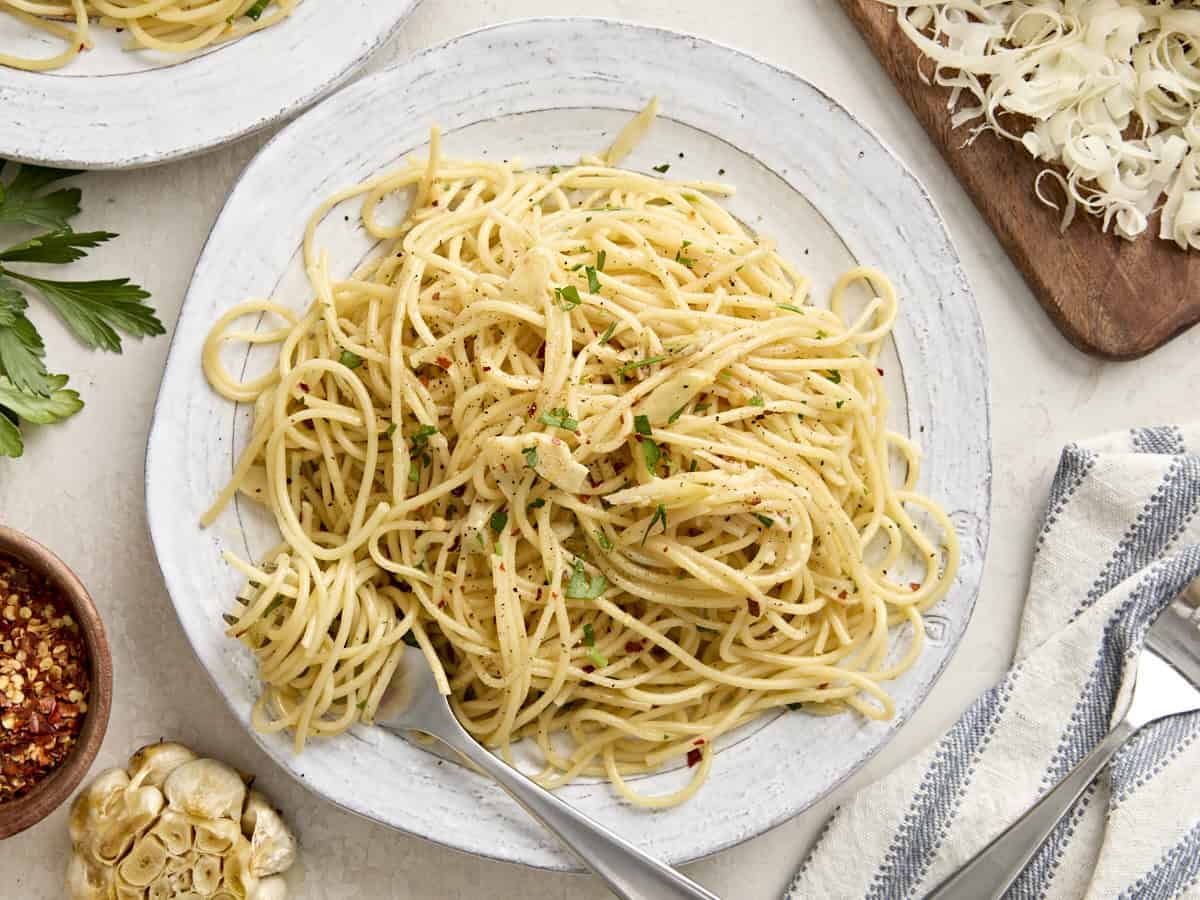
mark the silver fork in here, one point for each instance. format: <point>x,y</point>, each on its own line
<point>1168,683</point>
<point>412,702</point>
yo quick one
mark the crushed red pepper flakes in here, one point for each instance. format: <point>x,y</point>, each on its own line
<point>633,647</point>
<point>842,595</point>
<point>755,608</point>
<point>914,585</point>
<point>43,679</point>
<point>694,756</point>
<point>444,362</point>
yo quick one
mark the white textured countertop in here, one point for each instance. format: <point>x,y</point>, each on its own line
<point>79,487</point>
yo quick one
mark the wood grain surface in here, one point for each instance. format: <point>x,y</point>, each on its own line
<point>1114,298</point>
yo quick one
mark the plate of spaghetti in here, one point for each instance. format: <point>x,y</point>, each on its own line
<point>114,84</point>
<point>651,408</point>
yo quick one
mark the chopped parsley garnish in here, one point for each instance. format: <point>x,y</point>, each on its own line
<point>537,504</point>
<point>554,170</point>
<point>821,334</point>
<point>581,586</point>
<point>559,418</point>
<point>531,457</point>
<point>598,658</point>
<point>757,400</point>
<point>350,360</point>
<point>660,516</point>
<point>498,520</point>
<point>589,635</point>
<point>652,453</point>
<point>391,431</point>
<point>414,471</point>
<point>662,170</point>
<point>410,639</point>
<point>674,417</point>
<point>834,375</point>
<point>640,364</point>
<point>683,260</point>
<point>608,333</point>
<point>839,403</point>
<point>601,256</point>
<point>789,307</point>
<point>692,467</point>
<point>602,539</point>
<point>256,11</point>
<point>593,281</point>
<point>421,436</point>
<point>699,409</point>
<point>568,297</point>
<point>641,424</point>
<point>766,520</point>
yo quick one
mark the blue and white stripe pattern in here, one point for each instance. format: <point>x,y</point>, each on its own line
<point>1119,540</point>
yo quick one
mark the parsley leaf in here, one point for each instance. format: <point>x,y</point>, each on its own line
<point>350,360</point>
<point>603,540</point>
<point>593,281</point>
<point>422,435</point>
<point>589,635</point>
<point>581,586</point>
<point>531,457</point>
<point>640,363</point>
<point>674,417</point>
<point>55,247</point>
<point>94,310</point>
<point>757,400</point>
<point>790,308</point>
<point>767,521</point>
<point>559,418</point>
<point>568,297</point>
<point>834,375</point>
<point>660,515</point>
<point>10,438</point>
<point>499,520</point>
<point>255,12</point>
<point>20,200</point>
<point>61,403</point>
<point>662,170</point>
<point>641,424</point>
<point>652,453</point>
<point>608,333</point>
<point>21,348</point>
<point>601,256</point>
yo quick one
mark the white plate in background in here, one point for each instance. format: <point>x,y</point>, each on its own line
<point>546,91</point>
<point>112,108</point>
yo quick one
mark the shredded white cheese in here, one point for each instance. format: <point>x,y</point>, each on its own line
<point>1108,90</point>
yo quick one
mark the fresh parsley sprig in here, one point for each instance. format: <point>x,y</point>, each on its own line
<point>97,312</point>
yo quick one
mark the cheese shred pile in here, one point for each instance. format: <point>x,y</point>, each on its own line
<point>1105,91</point>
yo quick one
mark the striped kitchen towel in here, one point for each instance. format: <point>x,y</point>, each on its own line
<point>1120,539</point>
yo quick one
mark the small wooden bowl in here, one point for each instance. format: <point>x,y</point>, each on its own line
<point>49,794</point>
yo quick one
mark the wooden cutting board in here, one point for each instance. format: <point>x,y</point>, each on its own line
<point>1114,298</point>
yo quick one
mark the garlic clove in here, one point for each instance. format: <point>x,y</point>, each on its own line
<point>218,836</point>
<point>86,881</point>
<point>153,763</point>
<point>272,844</point>
<point>273,888</point>
<point>206,875</point>
<point>175,831</point>
<point>144,863</point>
<point>207,789</point>
<point>116,832</point>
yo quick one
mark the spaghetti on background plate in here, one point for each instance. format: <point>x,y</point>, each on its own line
<point>586,443</point>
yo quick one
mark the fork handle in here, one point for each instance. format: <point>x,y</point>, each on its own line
<point>630,873</point>
<point>990,871</point>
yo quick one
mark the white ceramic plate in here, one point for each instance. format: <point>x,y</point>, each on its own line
<point>111,108</point>
<point>547,91</point>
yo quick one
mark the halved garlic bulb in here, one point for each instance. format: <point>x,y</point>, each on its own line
<point>175,826</point>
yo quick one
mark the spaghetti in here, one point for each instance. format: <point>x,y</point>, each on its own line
<point>174,26</point>
<point>583,441</point>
